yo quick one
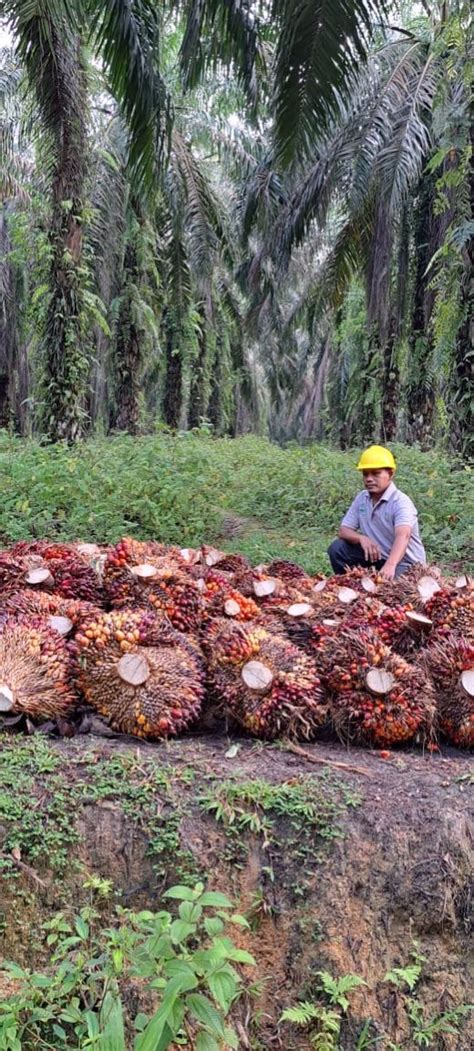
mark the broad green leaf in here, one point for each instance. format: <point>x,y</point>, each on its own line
<point>156,1037</point>
<point>181,893</point>
<point>111,1023</point>
<point>223,987</point>
<point>180,930</point>
<point>82,927</point>
<point>205,1042</point>
<point>213,925</point>
<point>215,898</point>
<point>202,1009</point>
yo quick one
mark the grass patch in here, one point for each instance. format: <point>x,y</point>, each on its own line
<point>178,488</point>
<point>42,792</point>
<point>296,820</point>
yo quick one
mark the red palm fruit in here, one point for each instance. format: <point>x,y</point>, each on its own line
<point>288,571</point>
<point>227,601</point>
<point>400,627</point>
<point>159,583</point>
<point>452,610</point>
<point>448,660</point>
<point>414,588</point>
<point>269,686</point>
<point>233,563</point>
<point>146,678</point>
<point>35,677</point>
<point>60,614</point>
<point>43,566</point>
<point>377,697</point>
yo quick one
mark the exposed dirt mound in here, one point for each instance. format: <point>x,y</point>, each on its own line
<point>337,871</point>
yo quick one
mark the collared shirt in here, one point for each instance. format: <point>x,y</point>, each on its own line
<point>379,521</point>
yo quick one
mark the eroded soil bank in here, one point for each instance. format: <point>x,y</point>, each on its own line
<point>336,870</point>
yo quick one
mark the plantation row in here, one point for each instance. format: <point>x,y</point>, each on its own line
<point>159,639</point>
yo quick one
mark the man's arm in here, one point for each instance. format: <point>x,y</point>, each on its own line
<point>348,530</point>
<point>371,550</point>
<point>399,546</point>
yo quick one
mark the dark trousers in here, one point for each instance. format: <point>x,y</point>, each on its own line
<point>342,555</point>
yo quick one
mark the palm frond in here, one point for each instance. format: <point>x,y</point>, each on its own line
<point>127,35</point>
<point>220,31</point>
<point>319,48</point>
<point>401,161</point>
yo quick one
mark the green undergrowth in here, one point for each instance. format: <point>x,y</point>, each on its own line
<point>182,489</point>
<point>295,823</point>
<point>43,791</point>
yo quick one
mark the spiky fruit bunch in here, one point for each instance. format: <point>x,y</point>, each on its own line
<point>60,614</point>
<point>361,579</point>
<point>35,675</point>
<point>141,674</point>
<point>414,588</point>
<point>452,610</point>
<point>158,582</point>
<point>269,686</point>
<point>399,627</point>
<point>288,571</point>
<point>227,601</point>
<point>376,696</point>
<point>65,570</point>
<point>448,660</point>
<point>233,563</point>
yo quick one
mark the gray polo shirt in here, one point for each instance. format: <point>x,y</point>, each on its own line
<point>378,521</point>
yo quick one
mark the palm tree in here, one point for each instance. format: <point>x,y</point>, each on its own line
<point>369,172</point>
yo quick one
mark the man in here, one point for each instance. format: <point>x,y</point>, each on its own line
<point>381,525</point>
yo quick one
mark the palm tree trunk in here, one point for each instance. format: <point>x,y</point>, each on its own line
<point>14,371</point>
<point>462,422</point>
<point>199,394</point>
<point>173,390</point>
<point>66,364</point>
<point>390,389</point>
<point>128,352</point>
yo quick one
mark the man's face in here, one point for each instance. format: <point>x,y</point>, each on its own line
<point>376,482</point>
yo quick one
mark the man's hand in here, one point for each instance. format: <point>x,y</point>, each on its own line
<point>388,571</point>
<point>371,550</point>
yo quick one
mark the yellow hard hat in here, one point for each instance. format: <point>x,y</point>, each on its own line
<point>376,457</point>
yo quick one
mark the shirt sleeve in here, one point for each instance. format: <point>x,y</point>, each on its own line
<point>405,512</point>
<point>351,518</point>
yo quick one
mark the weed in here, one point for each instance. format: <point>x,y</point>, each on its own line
<point>323,1022</point>
<point>303,815</point>
<point>188,961</point>
<point>179,488</point>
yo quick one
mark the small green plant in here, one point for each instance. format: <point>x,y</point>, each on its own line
<point>336,988</point>
<point>188,961</point>
<point>324,1025</point>
<point>303,814</point>
<point>323,1022</point>
<point>423,1030</point>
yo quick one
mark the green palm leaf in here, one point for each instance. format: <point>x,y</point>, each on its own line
<point>320,44</point>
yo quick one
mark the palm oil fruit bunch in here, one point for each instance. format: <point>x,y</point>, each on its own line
<point>415,587</point>
<point>399,627</point>
<point>291,572</point>
<point>452,609</point>
<point>60,568</point>
<point>35,675</point>
<point>160,582</point>
<point>60,614</point>
<point>377,697</point>
<point>450,661</point>
<point>270,687</point>
<point>138,672</point>
<point>227,601</point>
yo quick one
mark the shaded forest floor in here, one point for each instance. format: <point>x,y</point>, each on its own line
<point>336,870</point>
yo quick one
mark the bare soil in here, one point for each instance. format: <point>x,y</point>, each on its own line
<point>399,874</point>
